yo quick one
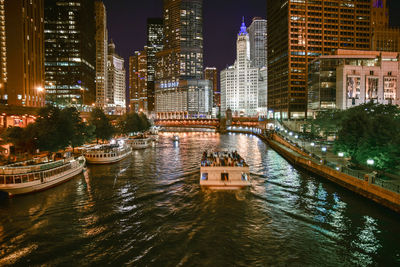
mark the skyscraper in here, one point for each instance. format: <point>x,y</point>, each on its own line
<point>3,54</point>
<point>24,72</point>
<point>155,37</point>
<point>258,42</point>
<point>180,92</point>
<point>138,81</point>
<point>211,73</point>
<point>101,54</point>
<point>241,83</point>
<point>70,52</point>
<point>384,37</point>
<point>300,31</point>
<point>116,84</point>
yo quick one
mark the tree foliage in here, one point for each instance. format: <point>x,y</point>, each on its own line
<point>103,129</point>
<point>371,131</point>
<point>133,123</point>
<point>54,130</point>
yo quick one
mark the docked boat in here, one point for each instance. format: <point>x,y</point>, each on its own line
<point>109,153</point>
<point>34,175</point>
<point>224,170</point>
<point>139,142</point>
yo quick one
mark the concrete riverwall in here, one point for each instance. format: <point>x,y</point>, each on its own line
<point>301,159</point>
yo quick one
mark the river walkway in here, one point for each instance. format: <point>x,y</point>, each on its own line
<point>359,181</point>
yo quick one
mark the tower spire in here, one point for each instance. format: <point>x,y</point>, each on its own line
<point>243,28</point>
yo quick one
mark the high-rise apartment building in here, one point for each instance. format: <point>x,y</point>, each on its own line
<point>258,42</point>
<point>23,74</point>
<point>3,54</point>
<point>241,83</point>
<point>298,32</point>
<point>155,37</point>
<point>101,54</point>
<point>180,92</point>
<point>116,84</point>
<point>384,37</point>
<point>70,52</point>
<point>211,74</point>
<point>138,71</point>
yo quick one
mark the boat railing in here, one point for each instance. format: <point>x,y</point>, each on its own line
<point>39,175</point>
<point>26,169</point>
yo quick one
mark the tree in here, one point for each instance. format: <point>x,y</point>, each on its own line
<point>23,139</point>
<point>133,122</point>
<point>144,122</point>
<point>371,131</point>
<point>78,132</point>
<point>53,129</point>
<point>104,130</point>
<point>326,122</point>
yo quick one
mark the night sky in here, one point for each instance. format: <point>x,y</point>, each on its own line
<point>222,19</point>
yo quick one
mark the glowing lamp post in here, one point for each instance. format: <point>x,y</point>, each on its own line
<point>370,162</point>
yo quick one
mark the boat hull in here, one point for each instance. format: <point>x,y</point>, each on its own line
<point>39,185</point>
<point>108,160</point>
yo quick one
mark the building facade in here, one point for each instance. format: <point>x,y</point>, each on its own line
<point>138,71</point>
<point>258,42</point>
<point>116,84</point>
<point>101,54</point>
<point>211,74</point>
<point>298,32</point>
<point>155,37</point>
<point>70,52</point>
<point>180,63</point>
<point>240,83</point>
<point>350,78</point>
<point>22,70</point>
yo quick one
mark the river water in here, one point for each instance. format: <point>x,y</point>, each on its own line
<point>149,210</point>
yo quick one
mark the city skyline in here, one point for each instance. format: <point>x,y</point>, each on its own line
<point>219,33</point>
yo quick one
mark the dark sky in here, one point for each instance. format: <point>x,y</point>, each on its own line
<point>222,19</point>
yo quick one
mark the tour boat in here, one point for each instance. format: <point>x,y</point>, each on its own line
<point>139,142</point>
<point>32,176</point>
<point>109,153</point>
<point>224,170</point>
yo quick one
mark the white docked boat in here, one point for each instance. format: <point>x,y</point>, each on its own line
<point>105,154</point>
<point>139,142</point>
<point>223,170</point>
<point>32,176</point>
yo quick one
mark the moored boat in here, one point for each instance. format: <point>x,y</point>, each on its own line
<point>109,153</point>
<point>224,170</point>
<point>32,176</point>
<point>139,142</point>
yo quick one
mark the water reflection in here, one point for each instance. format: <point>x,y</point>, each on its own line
<point>150,210</point>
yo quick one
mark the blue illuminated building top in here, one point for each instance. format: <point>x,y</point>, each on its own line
<point>243,28</point>
<point>378,3</point>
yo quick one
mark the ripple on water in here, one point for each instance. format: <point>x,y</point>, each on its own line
<point>150,210</point>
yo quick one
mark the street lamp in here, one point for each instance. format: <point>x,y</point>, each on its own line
<point>370,162</point>
<point>341,154</point>
<point>40,89</point>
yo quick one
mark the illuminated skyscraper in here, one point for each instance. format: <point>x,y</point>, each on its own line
<point>212,75</point>
<point>180,92</point>
<point>3,54</point>
<point>258,42</point>
<point>384,37</point>
<point>155,38</point>
<point>116,84</point>
<point>138,81</point>
<point>101,54</point>
<point>24,71</point>
<point>70,52</point>
<point>241,82</point>
<point>298,32</point>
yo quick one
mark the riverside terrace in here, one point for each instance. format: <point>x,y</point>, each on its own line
<point>218,159</point>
